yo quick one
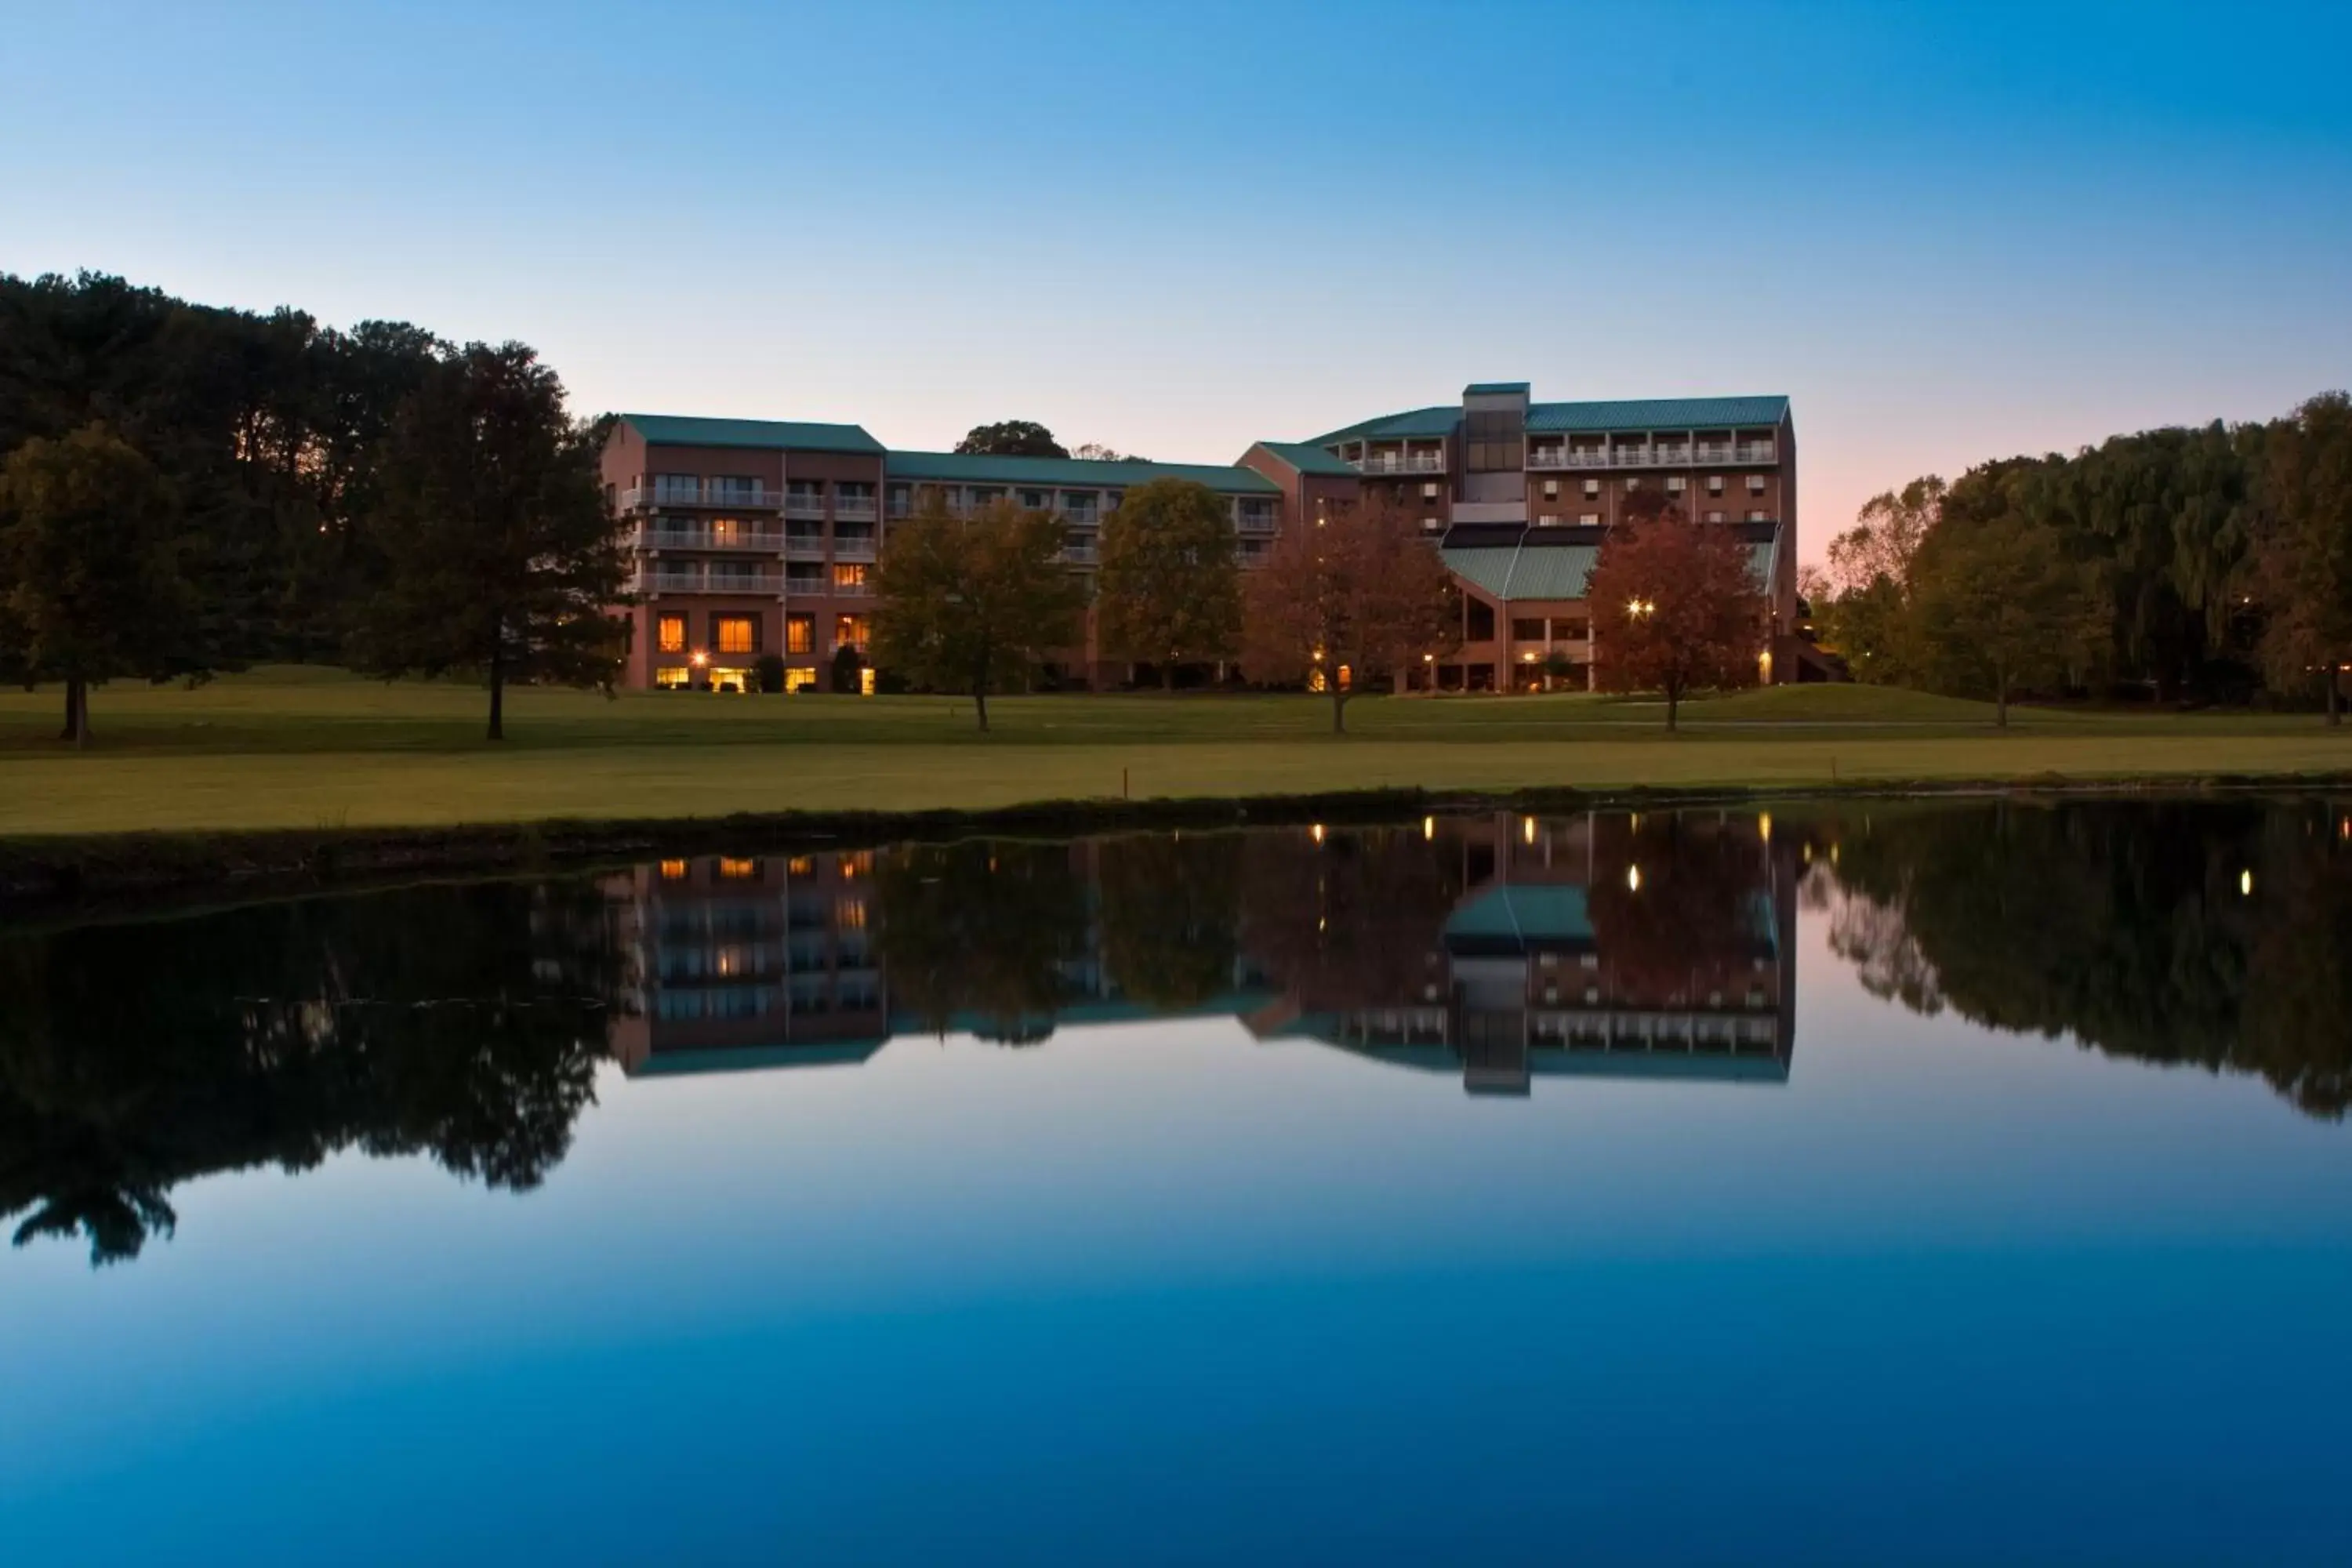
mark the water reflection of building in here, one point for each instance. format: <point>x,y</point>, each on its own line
<point>1500,947</point>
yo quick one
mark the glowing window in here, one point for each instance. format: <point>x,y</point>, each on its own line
<point>849,574</point>
<point>738,634</point>
<point>800,633</point>
<point>735,871</point>
<point>676,678</point>
<point>669,634</point>
<point>672,870</point>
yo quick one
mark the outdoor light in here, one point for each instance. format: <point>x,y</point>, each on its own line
<point>1633,878</point>
<point>1764,824</point>
<point>1429,828</point>
<point>701,658</point>
<point>2245,884</point>
<point>1316,832</point>
<point>1527,829</point>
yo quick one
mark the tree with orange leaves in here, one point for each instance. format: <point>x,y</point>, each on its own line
<point>1675,607</point>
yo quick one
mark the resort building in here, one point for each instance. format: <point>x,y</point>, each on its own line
<point>757,537</point>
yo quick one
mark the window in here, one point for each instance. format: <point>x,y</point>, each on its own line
<point>849,574</point>
<point>672,870</point>
<point>1715,517</point>
<point>1673,484</point>
<point>1429,490</point>
<point>901,500</point>
<point>1757,517</point>
<point>1033,501</point>
<point>1714,484</point>
<point>1756,484</point>
<point>1549,519</point>
<point>1588,519</point>
<point>736,633</point>
<point>733,488</point>
<point>1552,490</point>
<point>727,533</point>
<point>1632,483</point>
<point>669,634</point>
<point>800,633</point>
<point>1528,630</point>
<point>1592,488</point>
<point>1571,628</point>
<point>804,577</point>
<point>1495,440</point>
<point>852,631</point>
<point>673,678</point>
<point>736,871</point>
<point>1481,621</point>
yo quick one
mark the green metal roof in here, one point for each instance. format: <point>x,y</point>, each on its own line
<point>1308,458</point>
<point>767,435</point>
<point>1071,473</point>
<point>1539,571</point>
<point>1549,418</point>
<point>1524,911</point>
<point>1657,414</point>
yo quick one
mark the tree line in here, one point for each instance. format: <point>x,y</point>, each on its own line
<point>2195,564</point>
<point>186,489</point>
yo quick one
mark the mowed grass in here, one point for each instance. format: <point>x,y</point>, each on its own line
<point>312,748</point>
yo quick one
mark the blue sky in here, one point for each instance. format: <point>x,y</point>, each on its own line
<point>1949,232</point>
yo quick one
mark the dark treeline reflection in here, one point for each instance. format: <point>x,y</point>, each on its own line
<point>469,1023</point>
<point>2213,934</point>
<point>462,1022</point>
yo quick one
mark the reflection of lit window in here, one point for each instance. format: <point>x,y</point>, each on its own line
<point>672,870</point>
<point>857,863</point>
<point>738,870</point>
<point>728,961</point>
<point>800,866</point>
<point>851,912</point>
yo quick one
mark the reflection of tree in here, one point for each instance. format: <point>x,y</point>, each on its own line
<point>982,928</point>
<point>1351,921</point>
<point>1170,906</point>
<point>2127,925</point>
<point>1675,902</point>
<point>463,1022</point>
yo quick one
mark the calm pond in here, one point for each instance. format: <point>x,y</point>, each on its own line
<point>1900,1182</point>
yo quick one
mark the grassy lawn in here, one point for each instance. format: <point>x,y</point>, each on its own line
<point>309,748</point>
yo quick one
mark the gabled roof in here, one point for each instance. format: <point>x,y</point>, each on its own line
<point>1308,458</point>
<point>765,435</point>
<point>1071,473</point>
<point>1657,414</point>
<point>1415,421</point>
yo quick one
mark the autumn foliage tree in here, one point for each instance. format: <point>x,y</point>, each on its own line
<point>1170,589</point>
<point>967,602</point>
<point>1675,608</point>
<point>1350,597</point>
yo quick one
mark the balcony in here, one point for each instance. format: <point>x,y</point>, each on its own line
<point>1757,452</point>
<point>846,590</point>
<point>1257,523</point>
<point>1402,463</point>
<point>1665,454</point>
<point>699,492</point>
<point>703,539</point>
<point>804,503</point>
<point>804,546</point>
<point>1081,516</point>
<point>1080,554</point>
<point>854,547</point>
<point>852,509</point>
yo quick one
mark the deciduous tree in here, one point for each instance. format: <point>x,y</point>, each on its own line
<point>498,552</point>
<point>1170,590</point>
<point>1998,606</point>
<point>1675,608</point>
<point>965,602</point>
<point>1012,438</point>
<point>2302,554</point>
<point>93,579</point>
<point>1345,599</point>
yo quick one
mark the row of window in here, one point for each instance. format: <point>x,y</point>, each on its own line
<point>740,633</point>
<point>1595,520</point>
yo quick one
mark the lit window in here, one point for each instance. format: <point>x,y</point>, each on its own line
<point>669,634</point>
<point>1549,519</point>
<point>1429,493</point>
<point>676,678</point>
<point>736,634</point>
<point>1757,517</point>
<point>1756,484</point>
<point>1714,484</point>
<point>849,574</point>
<point>851,631</point>
<point>1552,490</point>
<point>1588,519</point>
<point>1715,517</point>
<point>800,633</point>
<point>735,871</point>
<point>850,912</point>
<point>672,870</point>
<point>1675,484</point>
<point>1592,488</point>
<point>800,866</point>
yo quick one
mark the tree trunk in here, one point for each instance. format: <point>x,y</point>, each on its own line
<point>497,693</point>
<point>1674,706</point>
<point>1167,675</point>
<point>2000,705</point>
<point>2334,693</point>
<point>1339,707</point>
<point>76,727</point>
<point>980,703</point>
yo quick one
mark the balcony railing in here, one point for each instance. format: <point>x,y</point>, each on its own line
<point>852,509</point>
<point>1247,523</point>
<point>703,539</point>
<point>1665,454</point>
<point>804,547</point>
<point>693,580</point>
<point>1081,516</point>
<point>1080,554</point>
<point>802,504</point>
<point>707,492</point>
<point>1402,463</point>
<point>848,590</point>
<point>852,549</point>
